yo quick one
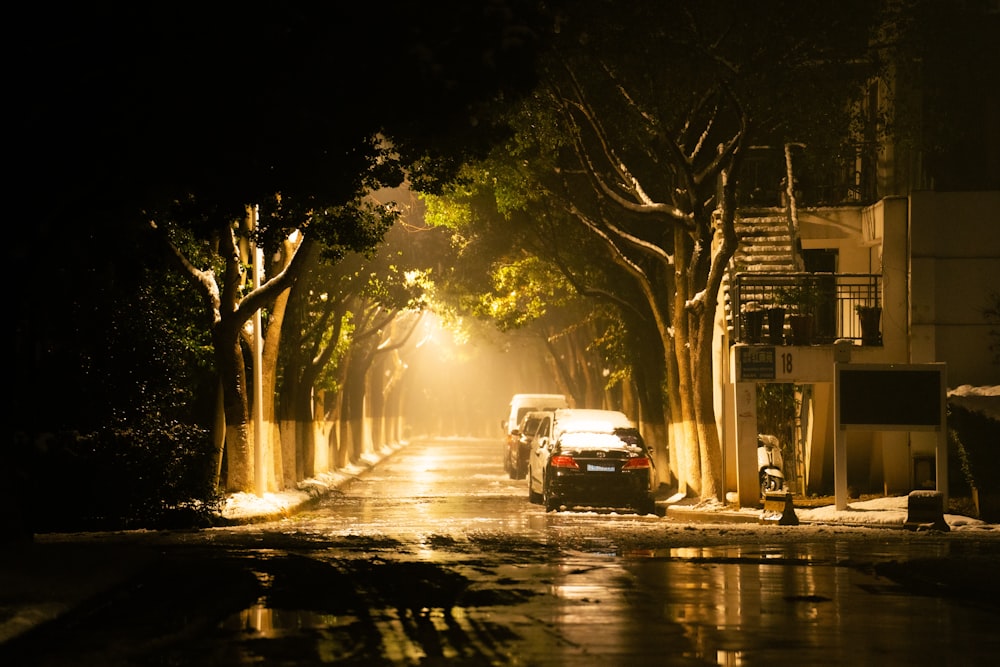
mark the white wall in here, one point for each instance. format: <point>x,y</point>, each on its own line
<point>954,265</point>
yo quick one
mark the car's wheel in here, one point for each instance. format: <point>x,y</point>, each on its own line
<point>533,497</point>
<point>552,505</point>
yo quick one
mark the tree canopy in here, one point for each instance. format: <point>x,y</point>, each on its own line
<point>635,138</point>
<point>187,113</point>
<point>623,130</point>
<point>125,105</point>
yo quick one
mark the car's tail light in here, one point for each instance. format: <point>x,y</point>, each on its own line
<point>638,463</point>
<point>563,461</point>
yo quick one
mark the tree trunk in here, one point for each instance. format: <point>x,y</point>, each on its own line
<point>704,401</point>
<point>375,399</point>
<point>269,372</point>
<point>305,437</point>
<point>682,351</point>
<point>354,391</point>
<point>232,374</point>
<point>343,442</point>
<point>219,435</point>
<point>648,377</point>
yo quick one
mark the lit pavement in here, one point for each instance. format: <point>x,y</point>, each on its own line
<point>435,557</point>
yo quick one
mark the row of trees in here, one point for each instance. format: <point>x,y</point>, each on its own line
<point>626,177</point>
<point>157,146</point>
<point>631,158</point>
<point>581,164</point>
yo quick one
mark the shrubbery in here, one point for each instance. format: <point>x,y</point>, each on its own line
<point>976,437</point>
<point>150,475</point>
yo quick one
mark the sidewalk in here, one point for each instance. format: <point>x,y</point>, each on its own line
<point>887,512</point>
<point>241,508</point>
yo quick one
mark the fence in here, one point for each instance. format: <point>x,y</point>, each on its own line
<point>832,306</point>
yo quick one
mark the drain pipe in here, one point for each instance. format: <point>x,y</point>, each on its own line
<point>793,213</point>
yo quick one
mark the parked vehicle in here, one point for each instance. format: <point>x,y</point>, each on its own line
<point>516,464</point>
<point>591,458</point>
<point>520,405</point>
<point>769,464</point>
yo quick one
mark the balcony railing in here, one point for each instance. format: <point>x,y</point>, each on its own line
<point>835,180</point>
<point>835,302</point>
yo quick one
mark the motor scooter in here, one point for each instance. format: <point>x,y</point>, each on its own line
<point>769,464</point>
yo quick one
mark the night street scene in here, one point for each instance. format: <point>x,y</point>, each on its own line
<point>503,332</point>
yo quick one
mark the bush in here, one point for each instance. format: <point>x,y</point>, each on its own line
<point>152,475</point>
<point>977,438</point>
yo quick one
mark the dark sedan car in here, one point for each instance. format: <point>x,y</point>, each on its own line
<point>517,451</point>
<point>604,465</point>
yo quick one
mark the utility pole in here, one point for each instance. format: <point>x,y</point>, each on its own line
<point>259,440</point>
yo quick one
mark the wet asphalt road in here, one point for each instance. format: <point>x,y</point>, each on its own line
<point>435,557</point>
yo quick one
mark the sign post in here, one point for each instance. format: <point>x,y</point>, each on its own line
<point>889,397</point>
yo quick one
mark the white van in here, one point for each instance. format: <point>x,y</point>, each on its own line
<point>520,405</point>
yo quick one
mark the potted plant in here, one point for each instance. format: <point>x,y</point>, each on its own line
<point>801,299</point>
<point>752,322</point>
<point>775,315</point>
<point>870,317</point>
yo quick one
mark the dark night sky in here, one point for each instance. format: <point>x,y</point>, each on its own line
<point>109,101</point>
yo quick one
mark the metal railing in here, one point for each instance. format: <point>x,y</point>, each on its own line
<point>848,178</point>
<point>835,303</point>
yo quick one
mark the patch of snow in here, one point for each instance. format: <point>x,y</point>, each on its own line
<point>888,511</point>
<point>247,505</point>
<point>696,299</point>
<point>969,390</point>
<point>985,400</point>
<point>878,512</point>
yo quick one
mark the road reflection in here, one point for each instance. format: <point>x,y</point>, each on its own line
<point>393,602</point>
<point>436,557</point>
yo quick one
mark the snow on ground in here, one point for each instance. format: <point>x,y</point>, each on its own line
<point>887,512</point>
<point>890,511</point>
<point>978,399</point>
<point>880,511</point>
<point>249,505</point>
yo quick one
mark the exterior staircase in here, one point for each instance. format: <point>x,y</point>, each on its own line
<point>766,244</point>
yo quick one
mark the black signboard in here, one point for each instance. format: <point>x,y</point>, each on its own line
<point>891,396</point>
<point>756,363</point>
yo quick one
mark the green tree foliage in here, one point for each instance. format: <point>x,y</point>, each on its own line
<point>637,133</point>
<point>974,434</point>
<point>194,112</point>
<point>124,408</point>
<point>546,277</point>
